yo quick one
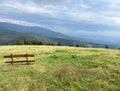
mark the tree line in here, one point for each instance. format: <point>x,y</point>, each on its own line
<point>37,42</point>
<point>34,42</point>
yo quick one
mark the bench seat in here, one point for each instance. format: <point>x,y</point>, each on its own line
<point>20,61</point>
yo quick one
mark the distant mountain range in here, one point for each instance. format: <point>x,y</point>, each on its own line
<point>10,32</point>
<point>37,30</point>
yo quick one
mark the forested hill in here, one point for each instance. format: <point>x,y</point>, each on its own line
<point>9,35</point>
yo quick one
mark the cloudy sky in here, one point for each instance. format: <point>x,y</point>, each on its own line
<point>72,17</point>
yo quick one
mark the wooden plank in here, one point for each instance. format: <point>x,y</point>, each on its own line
<point>12,59</point>
<point>23,55</point>
<point>20,61</point>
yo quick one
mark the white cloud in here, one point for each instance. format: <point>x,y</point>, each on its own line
<point>49,1</point>
<point>29,7</point>
<point>69,9</point>
<point>51,10</point>
<point>19,22</point>
<point>116,20</point>
<point>80,15</point>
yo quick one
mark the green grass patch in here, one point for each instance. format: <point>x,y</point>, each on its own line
<point>61,69</point>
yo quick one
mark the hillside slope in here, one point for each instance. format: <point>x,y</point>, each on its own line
<point>61,69</point>
<point>37,30</point>
<point>9,35</point>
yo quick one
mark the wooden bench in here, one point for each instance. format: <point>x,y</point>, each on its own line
<point>17,56</point>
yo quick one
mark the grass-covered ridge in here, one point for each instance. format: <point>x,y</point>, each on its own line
<point>61,69</point>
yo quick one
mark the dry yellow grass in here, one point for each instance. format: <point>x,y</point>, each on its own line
<point>61,69</point>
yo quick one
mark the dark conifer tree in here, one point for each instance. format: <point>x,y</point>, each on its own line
<point>106,47</point>
<point>77,45</point>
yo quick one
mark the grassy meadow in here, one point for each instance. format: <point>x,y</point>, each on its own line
<point>61,69</point>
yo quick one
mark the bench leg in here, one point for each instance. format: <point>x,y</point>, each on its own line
<point>12,59</point>
<point>27,59</point>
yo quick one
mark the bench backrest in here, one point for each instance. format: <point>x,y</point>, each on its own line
<point>22,55</point>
